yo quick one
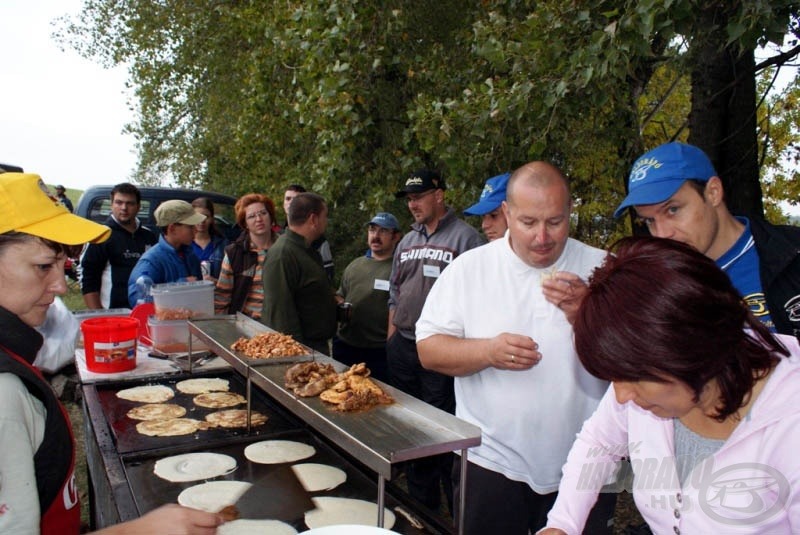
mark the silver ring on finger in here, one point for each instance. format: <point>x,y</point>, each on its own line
<point>513,359</point>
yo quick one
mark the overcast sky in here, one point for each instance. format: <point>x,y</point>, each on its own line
<point>61,116</point>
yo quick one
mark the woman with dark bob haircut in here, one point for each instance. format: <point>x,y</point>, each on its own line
<point>703,399</point>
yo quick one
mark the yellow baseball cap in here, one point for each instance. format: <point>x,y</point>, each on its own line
<point>26,206</point>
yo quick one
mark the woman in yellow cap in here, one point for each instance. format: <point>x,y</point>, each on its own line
<point>37,464</point>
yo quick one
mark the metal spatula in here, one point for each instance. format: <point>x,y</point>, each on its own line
<point>277,495</point>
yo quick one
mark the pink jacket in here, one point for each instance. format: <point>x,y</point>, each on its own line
<point>750,485</point>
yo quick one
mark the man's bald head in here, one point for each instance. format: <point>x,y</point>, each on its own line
<point>536,174</point>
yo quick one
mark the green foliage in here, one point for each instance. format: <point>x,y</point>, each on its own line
<point>347,97</point>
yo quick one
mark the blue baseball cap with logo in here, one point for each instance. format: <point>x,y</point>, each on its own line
<point>492,196</point>
<point>385,220</point>
<point>658,174</point>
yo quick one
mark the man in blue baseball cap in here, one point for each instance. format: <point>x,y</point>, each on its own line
<point>489,207</point>
<point>675,190</point>
<point>363,298</point>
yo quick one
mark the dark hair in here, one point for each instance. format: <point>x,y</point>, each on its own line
<point>698,185</point>
<point>251,198</point>
<point>661,310</point>
<point>303,205</point>
<point>296,187</point>
<point>12,237</point>
<point>126,188</point>
<point>208,204</point>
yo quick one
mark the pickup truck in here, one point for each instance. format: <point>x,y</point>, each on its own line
<point>95,204</point>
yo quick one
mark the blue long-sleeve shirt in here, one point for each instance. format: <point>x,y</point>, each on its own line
<point>163,263</point>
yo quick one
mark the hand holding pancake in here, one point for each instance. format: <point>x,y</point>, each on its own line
<point>566,291</point>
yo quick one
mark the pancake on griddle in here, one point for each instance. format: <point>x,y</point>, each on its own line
<point>235,418</point>
<point>147,394</point>
<point>203,385</point>
<point>156,411</point>
<point>219,400</point>
<point>170,428</point>
<point>194,466</point>
<point>278,451</point>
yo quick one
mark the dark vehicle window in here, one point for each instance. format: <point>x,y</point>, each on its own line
<point>96,205</point>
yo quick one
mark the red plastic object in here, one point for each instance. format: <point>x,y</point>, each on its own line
<point>141,312</point>
<point>110,344</point>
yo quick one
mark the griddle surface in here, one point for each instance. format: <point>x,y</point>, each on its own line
<point>128,439</point>
<point>150,491</point>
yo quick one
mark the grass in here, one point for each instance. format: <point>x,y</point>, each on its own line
<point>74,301</point>
<point>73,298</point>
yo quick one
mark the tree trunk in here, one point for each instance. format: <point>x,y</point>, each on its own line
<point>723,117</point>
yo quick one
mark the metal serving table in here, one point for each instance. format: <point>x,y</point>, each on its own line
<point>380,437</point>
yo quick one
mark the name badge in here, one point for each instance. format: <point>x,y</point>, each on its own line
<point>381,284</point>
<point>430,271</point>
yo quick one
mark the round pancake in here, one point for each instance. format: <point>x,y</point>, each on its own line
<point>331,511</point>
<point>235,418</point>
<point>169,428</point>
<point>255,527</point>
<point>203,385</point>
<point>194,466</point>
<point>147,394</point>
<point>315,477</point>
<point>218,400</point>
<point>213,495</point>
<point>278,451</point>
<point>156,411</point>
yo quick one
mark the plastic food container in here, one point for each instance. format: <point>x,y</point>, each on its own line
<point>172,336</point>
<point>110,344</point>
<point>183,300</point>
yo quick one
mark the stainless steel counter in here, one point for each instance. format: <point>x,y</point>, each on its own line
<point>379,437</point>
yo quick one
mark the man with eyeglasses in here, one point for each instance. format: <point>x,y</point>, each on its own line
<point>106,267</point>
<point>172,258</point>
<point>364,299</point>
<point>436,238</point>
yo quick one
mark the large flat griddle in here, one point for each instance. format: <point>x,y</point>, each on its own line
<point>150,491</point>
<point>128,439</point>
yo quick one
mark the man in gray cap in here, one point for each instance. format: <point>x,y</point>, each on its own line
<point>363,297</point>
<point>171,259</point>
<point>436,238</point>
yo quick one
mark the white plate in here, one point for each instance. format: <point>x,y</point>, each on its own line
<point>214,495</point>
<point>255,527</point>
<point>194,466</point>
<point>348,529</point>
<point>332,512</point>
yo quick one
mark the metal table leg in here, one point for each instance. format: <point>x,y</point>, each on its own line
<point>462,492</point>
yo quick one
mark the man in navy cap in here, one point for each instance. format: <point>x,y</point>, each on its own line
<point>675,190</point>
<point>489,207</point>
<point>363,297</point>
